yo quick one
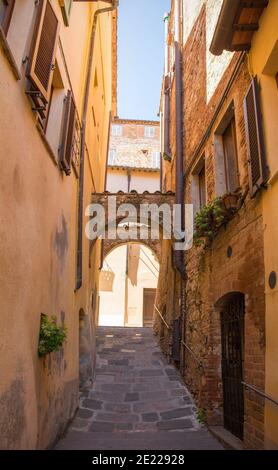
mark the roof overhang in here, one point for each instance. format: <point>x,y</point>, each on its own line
<point>237,23</point>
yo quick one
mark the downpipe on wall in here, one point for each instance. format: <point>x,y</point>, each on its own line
<point>179,255</point>
<point>79,276</point>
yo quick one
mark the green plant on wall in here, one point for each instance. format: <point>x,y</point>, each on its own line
<point>201,416</point>
<point>51,336</point>
<point>209,221</point>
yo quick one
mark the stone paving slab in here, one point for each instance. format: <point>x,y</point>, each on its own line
<point>136,401</point>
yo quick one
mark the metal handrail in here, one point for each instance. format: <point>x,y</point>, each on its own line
<point>259,392</point>
<point>192,354</point>
<point>162,318</point>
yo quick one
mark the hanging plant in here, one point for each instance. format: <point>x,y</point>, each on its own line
<point>51,336</point>
<point>209,221</point>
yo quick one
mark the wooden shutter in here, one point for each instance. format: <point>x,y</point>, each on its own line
<point>8,6</point>
<point>42,57</point>
<point>68,134</point>
<point>66,9</point>
<point>254,136</point>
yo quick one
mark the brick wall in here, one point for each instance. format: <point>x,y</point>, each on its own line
<point>132,148</point>
<point>211,275</point>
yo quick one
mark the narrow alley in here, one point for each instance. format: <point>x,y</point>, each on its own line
<point>137,400</point>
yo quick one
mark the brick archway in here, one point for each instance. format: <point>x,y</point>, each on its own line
<point>153,245</point>
<point>136,199</point>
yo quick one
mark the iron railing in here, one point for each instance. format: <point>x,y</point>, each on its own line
<point>162,318</point>
<point>259,392</point>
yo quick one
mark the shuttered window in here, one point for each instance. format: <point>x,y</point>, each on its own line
<point>68,139</point>
<point>42,57</point>
<point>66,9</point>
<point>6,11</point>
<point>254,136</point>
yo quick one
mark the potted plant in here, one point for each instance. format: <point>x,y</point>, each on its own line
<point>51,336</point>
<point>209,221</point>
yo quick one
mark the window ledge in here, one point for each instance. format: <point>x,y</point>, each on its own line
<point>47,145</point>
<point>9,55</point>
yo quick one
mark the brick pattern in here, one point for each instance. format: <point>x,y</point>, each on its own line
<point>211,274</point>
<point>132,148</point>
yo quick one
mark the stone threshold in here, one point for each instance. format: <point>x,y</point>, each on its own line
<point>228,440</point>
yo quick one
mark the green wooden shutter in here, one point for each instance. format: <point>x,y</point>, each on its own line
<point>66,9</point>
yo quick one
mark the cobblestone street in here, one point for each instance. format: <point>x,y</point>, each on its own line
<point>137,401</point>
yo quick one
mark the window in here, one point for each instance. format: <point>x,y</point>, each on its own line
<point>198,185</point>
<point>227,176</point>
<point>111,157</point>
<point>41,62</point>
<point>156,159</point>
<point>149,131</point>
<point>116,131</point>
<point>6,11</point>
<point>66,10</point>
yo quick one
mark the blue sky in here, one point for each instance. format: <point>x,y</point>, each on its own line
<point>140,57</point>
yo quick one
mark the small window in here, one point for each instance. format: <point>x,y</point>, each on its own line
<point>156,159</point>
<point>116,131</point>
<point>198,185</point>
<point>149,131</point>
<point>6,11</point>
<point>226,162</point>
<point>111,157</point>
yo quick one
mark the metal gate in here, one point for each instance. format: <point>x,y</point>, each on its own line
<point>232,332</point>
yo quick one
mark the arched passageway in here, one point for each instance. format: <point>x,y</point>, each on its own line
<point>128,285</point>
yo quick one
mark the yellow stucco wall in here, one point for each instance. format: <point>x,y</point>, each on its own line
<point>38,231</point>
<point>264,63</point>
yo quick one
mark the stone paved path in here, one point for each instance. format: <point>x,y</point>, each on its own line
<point>137,401</point>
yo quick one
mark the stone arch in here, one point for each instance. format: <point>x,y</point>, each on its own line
<point>153,245</point>
<point>128,299</point>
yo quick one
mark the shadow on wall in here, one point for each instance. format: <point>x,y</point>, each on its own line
<point>86,349</point>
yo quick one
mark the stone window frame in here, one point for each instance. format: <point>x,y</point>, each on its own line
<point>221,184</point>
<point>156,159</point>
<point>111,157</point>
<point>149,132</point>
<point>195,184</point>
<point>117,130</point>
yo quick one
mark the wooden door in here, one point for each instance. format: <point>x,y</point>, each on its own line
<point>148,306</point>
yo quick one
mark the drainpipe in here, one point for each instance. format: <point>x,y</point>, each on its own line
<point>166,146</point>
<point>179,255</point>
<point>114,5</point>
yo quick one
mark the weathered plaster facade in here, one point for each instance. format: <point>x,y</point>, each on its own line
<point>212,88</point>
<point>39,223</point>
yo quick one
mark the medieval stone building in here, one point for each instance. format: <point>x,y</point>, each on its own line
<point>216,323</point>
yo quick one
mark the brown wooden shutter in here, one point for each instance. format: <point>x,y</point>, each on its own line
<point>254,136</point>
<point>42,57</point>
<point>68,134</point>
<point>8,11</point>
